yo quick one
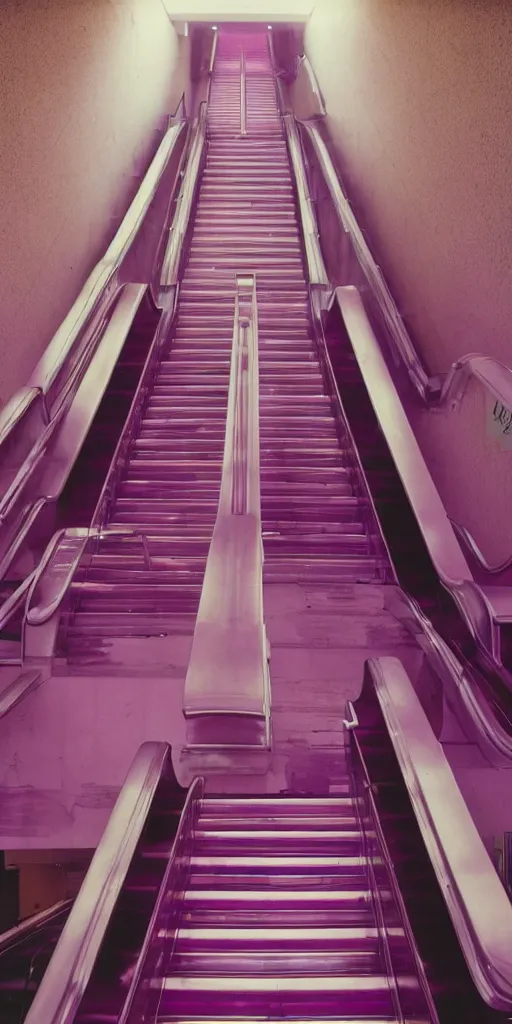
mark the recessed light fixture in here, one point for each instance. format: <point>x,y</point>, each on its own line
<point>214,28</point>
<point>269,26</point>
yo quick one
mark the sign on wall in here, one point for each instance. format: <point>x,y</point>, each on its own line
<point>499,420</point>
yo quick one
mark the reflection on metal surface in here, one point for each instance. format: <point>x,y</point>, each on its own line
<point>478,906</point>
<point>16,691</point>
<point>228,668</point>
<point>351,722</point>
<point>243,96</point>
<point>383,882</point>
<point>463,685</point>
<point>43,426</point>
<point>173,257</point>
<point>434,391</point>
<point>72,964</point>
<point>488,371</point>
<point>305,63</point>
<point>51,582</point>
<point>272,906</point>
<point>158,947</point>
<point>392,319</point>
<point>317,273</point>
<point>472,547</point>
<point>485,609</point>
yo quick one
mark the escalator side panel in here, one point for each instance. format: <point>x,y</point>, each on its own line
<point>24,959</point>
<point>448,977</point>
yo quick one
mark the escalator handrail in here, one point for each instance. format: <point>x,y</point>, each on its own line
<point>92,304</point>
<point>494,375</point>
<point>72,963</point>
<point>228,666</point>
<point>476,900</point>
<point>77,538</point>
<point>441,390</point>
<point>316,267</point>
<point>20,931</point>
<point>392,318</point>
<point>15,601</point>
<point>304,61</point>
<point>26,520</point>
<point>482,607</point>
<point>53,597</point>
<point>469,542</point>
<point>103,276</point>
<point>429,510</point>
<point>169,274</point>
<point>177,865</point>
<point>372,822</point>
<point>129,299</point>
<point>494,741</point>
<point>16,408</point>
<point>277,74</point>
<point>18,690</point>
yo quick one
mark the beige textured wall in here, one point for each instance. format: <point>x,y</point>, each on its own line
<point>84,84</point>
<point>419,97</point>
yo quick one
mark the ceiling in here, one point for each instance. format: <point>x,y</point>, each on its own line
<point>270,11</point>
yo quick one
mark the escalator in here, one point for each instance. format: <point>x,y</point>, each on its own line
<point>75,505</point>
<point>291,906</point>
<point>295,905</point>
<point>279,920</point>
<point>315,519</point>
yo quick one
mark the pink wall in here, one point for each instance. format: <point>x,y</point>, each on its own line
<point>419,97</point>
<point>84,86</point>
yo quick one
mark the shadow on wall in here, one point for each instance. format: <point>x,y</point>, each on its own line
<point>85,86</point>
<point>419,102</point>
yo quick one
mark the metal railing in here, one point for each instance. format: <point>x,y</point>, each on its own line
<point>316,268</point>
<point>30,420</point>
<point>20,506</point>
<point>70,969</point>
<point>304,63</point>
<point>462,684</point>
<point>53,372</point>
<point>228,669</point>
<point>146,986</point>
<point>403,347</point>
<point>383,882</point>
<point>475,898</point>
<point>50,586</point>
<point>33,923</point>
<point>487,568</point>
<point>243,96</point>
<point>173,256</point>
<point>435,391</point>
<point>484,608</point>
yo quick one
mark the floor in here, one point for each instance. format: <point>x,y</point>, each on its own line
<point>58,784</point>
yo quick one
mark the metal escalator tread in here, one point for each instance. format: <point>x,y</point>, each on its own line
<point>277,925</point>
<point>246,220</point>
